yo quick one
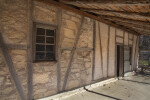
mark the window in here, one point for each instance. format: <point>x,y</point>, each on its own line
<point>45,43</point>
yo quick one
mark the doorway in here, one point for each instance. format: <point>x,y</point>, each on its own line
<point>120,60</point>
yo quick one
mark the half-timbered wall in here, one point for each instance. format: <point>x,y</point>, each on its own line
<point>81,58</point>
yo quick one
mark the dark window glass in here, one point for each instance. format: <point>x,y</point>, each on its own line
<point>40,47</point>
<point>50,40</point>
<point>50,32</point>
<point>50,56</point>
<point>40,31</point>
<point>45,44</point>
<point>39,55</point>
<point>49,48</point>
<point>40,39</point>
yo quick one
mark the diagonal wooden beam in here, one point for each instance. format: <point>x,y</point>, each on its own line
<point>11,68</point>
<point>82,13</point>
<point>127,19</point>
<point>146,24</point>
<point>72,54</point>
<point>141,26</point>
<point>106,2</point>
<point>116,12</point>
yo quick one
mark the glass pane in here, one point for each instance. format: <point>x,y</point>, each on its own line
<point>40,39</point>
<point>49,48</point>
<point>50,32</point>
<point>50,40</point>
<point>40,31</point>
<point>39,55</point>
<point>50,56</point>
<point>40,47</point>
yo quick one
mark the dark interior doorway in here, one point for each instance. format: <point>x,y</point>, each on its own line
<point>119,69</point>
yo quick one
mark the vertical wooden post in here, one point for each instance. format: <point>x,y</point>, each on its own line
<point>29,51</point>
<point>59,18</point>
<point>94,41</point>
<point>72,54</point>
<point>123,52</point>
<point>108,50</point>
<point>135,52</point>
<point>101,52</point>
<point>11,68</point>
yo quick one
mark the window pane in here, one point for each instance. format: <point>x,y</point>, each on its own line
<point>40,47</point>
<point>40,31</point>
<point>50,40</point>
<point>40,39</point>
<point>49,48</point>
<point>50,32</point>
<point>39,55</point>
<point>50,56</point>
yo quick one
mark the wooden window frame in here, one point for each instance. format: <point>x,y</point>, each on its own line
<point>44,26</point>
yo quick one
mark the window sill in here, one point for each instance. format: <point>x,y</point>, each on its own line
<point>45,61</point>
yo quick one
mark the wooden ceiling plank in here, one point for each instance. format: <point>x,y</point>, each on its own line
<point>109,1</point>
<point>125,19</point>
<point>122,12</point>
<point>65,7</point>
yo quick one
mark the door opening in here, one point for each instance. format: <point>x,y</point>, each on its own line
<point>119,69</point>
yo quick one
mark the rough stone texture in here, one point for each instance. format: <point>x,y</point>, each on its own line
<point>43,13</point>
<point>7,88</point>
<point>13,20</point>
<point>14,28</point>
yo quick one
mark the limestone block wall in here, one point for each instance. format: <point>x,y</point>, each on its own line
<point>14,26</point>
<point>14,29</point>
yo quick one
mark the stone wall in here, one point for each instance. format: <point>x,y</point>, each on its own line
<point>14,28</point>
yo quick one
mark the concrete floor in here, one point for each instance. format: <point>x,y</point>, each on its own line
<point>130,88</point>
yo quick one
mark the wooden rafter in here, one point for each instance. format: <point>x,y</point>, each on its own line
<point>68,8</point>
<point>126,19</point>
<point>116,12</point>
<point>146,24</point>
<point>107,2</point>
<point>146,27</point>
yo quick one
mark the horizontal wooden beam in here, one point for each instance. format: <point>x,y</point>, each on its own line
<point>107,2</point>
<point>141,31</point>
<point>141,26</point>
<point>125,19</point>
<point>145,24</point>
<point>68,8</point>
<point>116,12</point>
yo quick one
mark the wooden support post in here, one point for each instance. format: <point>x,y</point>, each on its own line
<point>72,54</point>
<point>94,41</point>
<point>59,17</point>
<point>11,68</point>
<point>108,50</point>
<point>29,51</point>
<point>123,52</point>
<point>101,52</point>
<point>135,52</point>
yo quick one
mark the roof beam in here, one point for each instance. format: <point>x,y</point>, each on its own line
<point>68,8</point>
<point>129,16</point>
<point>108,2</point>
<point>125,19</point>
<point>131,23</point>
<point>113,11</point>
